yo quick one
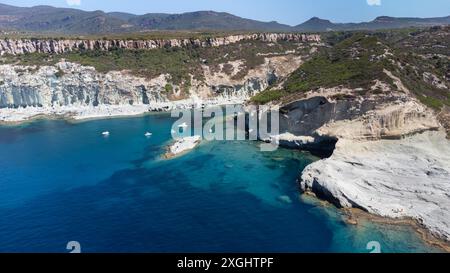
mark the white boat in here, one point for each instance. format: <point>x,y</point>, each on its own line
<point>148,134</point>
<point>106,133</point>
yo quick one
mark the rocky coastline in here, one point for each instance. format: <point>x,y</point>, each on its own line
<point>390,159</point>
<point>69,89</point>
<point>385,152</point>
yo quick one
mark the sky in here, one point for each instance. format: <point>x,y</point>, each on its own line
<point>290,12</point>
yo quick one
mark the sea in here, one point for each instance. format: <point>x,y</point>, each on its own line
<point>64,182</point>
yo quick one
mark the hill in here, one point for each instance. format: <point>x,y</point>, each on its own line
<point>47,19</point>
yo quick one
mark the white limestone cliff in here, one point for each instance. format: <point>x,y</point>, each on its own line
<point>407,178</point>
<point>391,159</point>
<point>69,89</point>
<point>59,46</point>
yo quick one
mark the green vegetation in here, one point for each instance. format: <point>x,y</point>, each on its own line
<point>431,102</point>
<point>268,96</point>
<point>352,59</point>
<point>349,63</point>
<point>252,53</point>
<point>29,59</point>
<point>429,95</point>
<point>356,59</point>
<point>423,51</point>
<point>146,63</point>
<point>168,88</point>
<point>179,63</point>
<point>148,35</point>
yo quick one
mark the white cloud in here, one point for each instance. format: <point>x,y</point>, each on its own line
<point>73,2</point>
<point>374,2</point>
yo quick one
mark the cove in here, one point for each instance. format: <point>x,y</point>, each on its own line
<point>62,181</point>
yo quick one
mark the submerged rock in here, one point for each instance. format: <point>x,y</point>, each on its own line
<point>285,199</point>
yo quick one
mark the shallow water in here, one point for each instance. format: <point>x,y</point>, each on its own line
<point>62,182</point>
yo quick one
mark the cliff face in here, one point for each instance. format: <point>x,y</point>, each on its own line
<point>344,116</point>
<point>76,85</point>
<point>70,84</point>
<point>407,178</point>
<point>21,46</point>
<point>390,156</point>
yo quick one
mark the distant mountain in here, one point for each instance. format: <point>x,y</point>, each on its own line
<point>73,21</point>
<point>60,20</point>
<point>315,24</point>
<point>201,20</point>
<point>383,22</point>
<point>122,15</point>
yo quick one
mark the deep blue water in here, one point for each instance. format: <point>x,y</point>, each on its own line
<point>62,182</point>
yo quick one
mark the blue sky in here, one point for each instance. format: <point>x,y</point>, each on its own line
<point>284,11</point>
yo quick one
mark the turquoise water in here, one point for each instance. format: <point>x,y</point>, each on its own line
<point>62,182</point>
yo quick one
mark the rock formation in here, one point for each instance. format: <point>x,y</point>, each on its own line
<point>66,86</point>
<point>58,46</point>
<point>406,178</point>
<point>390,158</point>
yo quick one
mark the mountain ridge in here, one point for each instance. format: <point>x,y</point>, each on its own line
<point>45,18</point>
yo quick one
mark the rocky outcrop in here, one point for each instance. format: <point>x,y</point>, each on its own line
<point>393,115</point>
<point>72,87</point>
<point>59,46</point>
<point>434,80</point>
<point>444,119</point>
<point>71,84</point>
<point>407,178</point>
<point>181,146</point>
<point>390,156</point>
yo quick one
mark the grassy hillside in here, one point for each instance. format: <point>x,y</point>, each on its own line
<point>349,63</point>
<point>357,59</point>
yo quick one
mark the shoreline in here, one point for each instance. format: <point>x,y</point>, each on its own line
<point>422,231</point>
<point>353,216</point>
<point>388,181</point>
<point>21,115</point>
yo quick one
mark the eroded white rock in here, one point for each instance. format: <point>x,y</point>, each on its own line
<point>182,145</point>
<point>392,178</point>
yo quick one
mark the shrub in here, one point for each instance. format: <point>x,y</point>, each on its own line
<point>268,96</point>
<point>168,88</point>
